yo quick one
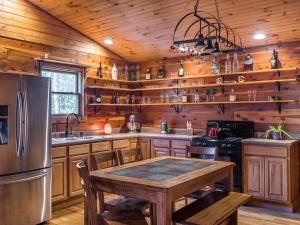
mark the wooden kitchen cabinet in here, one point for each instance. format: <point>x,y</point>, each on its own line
<point>160,147</point>
<point>276,181</point>
<point>178,148</point>
<point>59,179</point>
<point>59,174</point>
<point>156,152</point>
<point>271,172</point>
<point>120,144</point>
<point>166,147</point>
<point>74,185</point>
<point>254,175</point>
<point>145,145</point>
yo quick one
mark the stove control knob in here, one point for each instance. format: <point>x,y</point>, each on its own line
<point>223,145</point>
<point>228,145</point>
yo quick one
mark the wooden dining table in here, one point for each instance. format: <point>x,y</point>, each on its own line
<point>163,180</point>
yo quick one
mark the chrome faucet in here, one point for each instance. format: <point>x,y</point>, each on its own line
<point>67,123</point>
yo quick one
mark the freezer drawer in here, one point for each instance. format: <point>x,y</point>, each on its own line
<point>25,198</point>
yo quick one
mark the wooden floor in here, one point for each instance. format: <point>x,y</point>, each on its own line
<point>247,216</point>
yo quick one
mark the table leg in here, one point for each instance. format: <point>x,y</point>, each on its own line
<point>164,210</point>
<point>228,181</point>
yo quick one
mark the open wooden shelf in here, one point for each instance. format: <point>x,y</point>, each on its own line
<point>277,81</point>
<point>197,77</point>
<point>221,105</point>
<point>195,103</point>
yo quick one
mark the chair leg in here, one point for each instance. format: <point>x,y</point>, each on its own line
<point>234,218</point>
<point>153,214</point>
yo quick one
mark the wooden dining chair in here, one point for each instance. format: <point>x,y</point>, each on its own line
<point>118,204</point>
<point>208,153</point>
<point>125,217</point>
<point>129,155</point>
<point>104,159</point>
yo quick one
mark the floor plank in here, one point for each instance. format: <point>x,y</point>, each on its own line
<point>247,216</point>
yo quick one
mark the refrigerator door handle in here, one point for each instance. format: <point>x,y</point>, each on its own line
<point>18,123</point>
<point>21,180</point>
<point>25,122</point>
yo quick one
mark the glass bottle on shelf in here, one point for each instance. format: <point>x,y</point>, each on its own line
<point>228,64</point>
<point>248,64</point>
<point>148,74</point>
<point>126,72</point>
<point>138,74</point>
<point>274,60</point>
<point>215,69</point>
<point>99,71</point>
<point>196,96</point>
<point>235,63</point>
<point>181,69</point>
<point>232,96</point>
<point>114,72</point>
<point>184,97</point>
<point>161,72</point>
<point>117,98</point>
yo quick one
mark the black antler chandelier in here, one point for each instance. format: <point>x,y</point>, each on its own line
<point>204,34</point>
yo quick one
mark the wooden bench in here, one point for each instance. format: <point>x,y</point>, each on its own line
<point>214,209</point>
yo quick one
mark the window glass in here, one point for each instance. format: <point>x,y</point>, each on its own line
<point>65,94</point>
<point>62,82</point>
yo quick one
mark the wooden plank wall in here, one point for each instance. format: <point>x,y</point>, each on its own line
<point>27,32</point>
<point>262,115</point>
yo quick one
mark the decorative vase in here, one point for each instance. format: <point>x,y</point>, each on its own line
<point>276,136</point>
<point>114,72</point>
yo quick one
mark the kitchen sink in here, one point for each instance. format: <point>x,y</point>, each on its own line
<point>66,139</point>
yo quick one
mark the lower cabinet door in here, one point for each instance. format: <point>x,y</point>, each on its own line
<point>254,176</point>
<point>145,148</point>
<point>156,152</point>
<point>276,181</point>
<point>59,179</point>
<point>179,152</point>
<point>75,187</point>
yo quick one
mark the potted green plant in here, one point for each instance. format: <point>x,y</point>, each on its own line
<point>277,132</point>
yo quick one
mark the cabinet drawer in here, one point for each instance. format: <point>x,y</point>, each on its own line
<point>156,152</point>
<point>59,152</point>
<point>101,146</point>
<point>266,150</point>
<point>133,143</point>
<point>180,144</point>
<point>79,149</point>
<point>121,144</point>
<point>161,143</point>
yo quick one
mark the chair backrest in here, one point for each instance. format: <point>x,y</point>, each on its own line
<point>89,194</point>
<point>129,155</point>
<point>204,152</point>
<point>104,160</point>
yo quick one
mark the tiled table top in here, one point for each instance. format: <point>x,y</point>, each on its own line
<point>161,170</point>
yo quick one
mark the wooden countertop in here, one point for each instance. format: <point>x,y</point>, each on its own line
<point>56,142</point>
<point>268,141</point>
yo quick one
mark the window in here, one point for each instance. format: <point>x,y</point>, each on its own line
<point>66,89</point>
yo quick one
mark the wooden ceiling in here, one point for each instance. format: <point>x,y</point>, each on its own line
<point>142,29</point>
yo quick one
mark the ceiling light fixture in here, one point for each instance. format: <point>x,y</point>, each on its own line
<point>259,36</point>
<point>108,41</point>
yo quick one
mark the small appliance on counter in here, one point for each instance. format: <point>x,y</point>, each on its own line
<point>132,125</point>
<point>163,127</point>
<point>227,136</point>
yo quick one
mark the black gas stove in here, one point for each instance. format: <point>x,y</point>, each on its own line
<point>227,136</point>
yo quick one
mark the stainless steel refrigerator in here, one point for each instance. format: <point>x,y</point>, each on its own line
<point>25,160</point>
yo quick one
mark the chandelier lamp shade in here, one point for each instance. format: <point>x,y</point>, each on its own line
<point>200,33</point>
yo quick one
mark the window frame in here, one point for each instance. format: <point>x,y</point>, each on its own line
<point>65,68</point>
